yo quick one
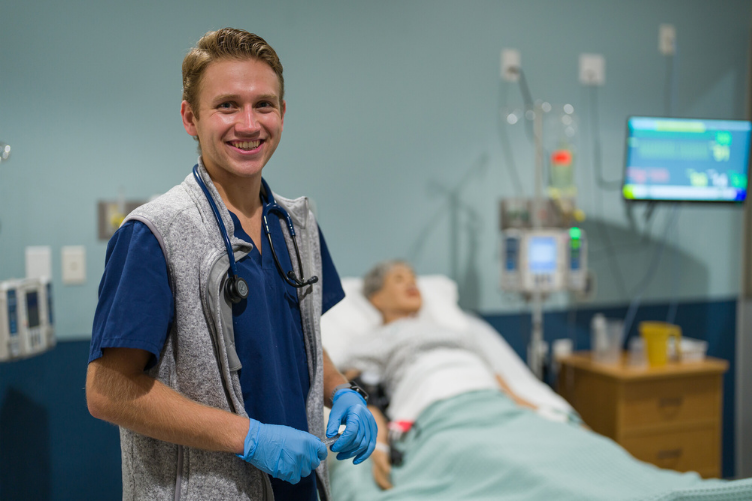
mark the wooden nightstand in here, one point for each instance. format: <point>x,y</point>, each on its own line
<point>669,416</point>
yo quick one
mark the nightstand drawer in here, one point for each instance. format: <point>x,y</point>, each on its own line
<point>685,400</point>
<point>692,450</point>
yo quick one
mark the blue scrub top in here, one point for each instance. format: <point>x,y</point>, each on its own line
<point>136,310</point>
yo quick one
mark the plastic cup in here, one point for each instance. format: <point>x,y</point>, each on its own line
<point>656,336</point>
<point>607,339</point>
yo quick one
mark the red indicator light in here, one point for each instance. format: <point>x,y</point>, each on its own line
<point>561,157</point>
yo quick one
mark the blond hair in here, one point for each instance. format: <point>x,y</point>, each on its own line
<point>227,43</point>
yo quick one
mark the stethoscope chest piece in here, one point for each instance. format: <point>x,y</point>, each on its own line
<point>236,289</point>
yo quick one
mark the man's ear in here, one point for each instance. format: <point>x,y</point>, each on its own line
<point>189,118</point>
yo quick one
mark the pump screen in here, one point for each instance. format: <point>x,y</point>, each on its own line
<point>542,255</point>
<point>32,309</point>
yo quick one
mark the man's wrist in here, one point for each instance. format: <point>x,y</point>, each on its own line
<point>350,385</point>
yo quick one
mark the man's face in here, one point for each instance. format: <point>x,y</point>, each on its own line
<point>240,117</point>
<point>400,294</point>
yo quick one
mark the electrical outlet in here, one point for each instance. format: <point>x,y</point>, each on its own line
<point>667,39</point>
<point>74,265</point>
<point>592,69</point>
<point>38,262</point>
<point>510,65</point>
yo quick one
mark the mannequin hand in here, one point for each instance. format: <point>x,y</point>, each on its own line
<point>381,469</point>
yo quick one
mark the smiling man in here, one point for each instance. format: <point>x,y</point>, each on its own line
<point>210,360</point>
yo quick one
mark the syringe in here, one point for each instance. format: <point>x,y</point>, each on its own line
<point>329,441</point>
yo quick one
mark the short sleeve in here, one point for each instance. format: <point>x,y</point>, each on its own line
<point>136,307</point>
<point>331,285</point>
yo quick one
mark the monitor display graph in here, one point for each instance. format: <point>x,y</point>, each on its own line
<point>669,159</point>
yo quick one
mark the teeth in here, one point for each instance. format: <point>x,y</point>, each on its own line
<point>246,145</point>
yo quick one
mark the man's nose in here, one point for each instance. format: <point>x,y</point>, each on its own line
<point>247,121</point>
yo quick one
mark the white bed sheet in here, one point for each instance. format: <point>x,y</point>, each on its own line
<point>354,317</point>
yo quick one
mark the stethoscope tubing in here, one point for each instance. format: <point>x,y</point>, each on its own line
<point>270,207</point>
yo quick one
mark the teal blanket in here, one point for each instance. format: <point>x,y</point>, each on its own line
<point>481,446</point>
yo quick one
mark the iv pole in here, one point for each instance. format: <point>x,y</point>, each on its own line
<point>537,347</point>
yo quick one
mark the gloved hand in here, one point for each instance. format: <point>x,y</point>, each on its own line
<point>281,451</point>
<point>359,437</point>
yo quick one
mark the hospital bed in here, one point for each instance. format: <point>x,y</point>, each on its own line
<point>481,445</point>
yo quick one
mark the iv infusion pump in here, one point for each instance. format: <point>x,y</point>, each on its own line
<point>26,318</point>
<point>544,260</point>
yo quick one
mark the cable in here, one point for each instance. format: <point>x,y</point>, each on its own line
<point>597,149</point>
<point>670,105</point>
<point>672,62</point>
<point>648,278</point>
<point>671,316</point>
<point>603,231</point>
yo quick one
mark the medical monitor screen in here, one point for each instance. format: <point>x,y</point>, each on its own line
<point>32,309</point>
<point>541,257</point>
<point>686,160</point>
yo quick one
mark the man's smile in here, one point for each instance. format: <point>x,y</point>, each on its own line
<point>245,145</point>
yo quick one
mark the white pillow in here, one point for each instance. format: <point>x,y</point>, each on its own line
<point>355,316</point>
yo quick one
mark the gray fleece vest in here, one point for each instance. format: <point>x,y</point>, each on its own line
<point>199,358</point>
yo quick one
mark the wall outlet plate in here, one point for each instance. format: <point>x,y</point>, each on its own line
<point>510,65</point>
<point>592,69</point>
<point>667,39</point>
<point>74,264</point>
<point>39,262</point>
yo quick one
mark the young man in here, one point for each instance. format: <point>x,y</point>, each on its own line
<point>196,376</point>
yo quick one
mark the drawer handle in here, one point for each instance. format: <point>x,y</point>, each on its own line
<point>670,453</point>
<point>670,402</point>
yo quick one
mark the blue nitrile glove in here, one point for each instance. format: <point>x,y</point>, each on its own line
<point>281,451</point>
<point>359,437</point>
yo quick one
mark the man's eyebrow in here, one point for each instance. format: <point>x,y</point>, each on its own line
<point>235,97</point>
<point>268,97</point>
<point>225,97</point>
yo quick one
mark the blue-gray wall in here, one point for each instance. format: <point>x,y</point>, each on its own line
<point>387,102</point>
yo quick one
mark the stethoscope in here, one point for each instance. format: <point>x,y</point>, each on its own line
<point>236,288</point>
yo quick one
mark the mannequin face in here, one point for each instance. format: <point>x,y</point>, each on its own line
<point>399,297</point>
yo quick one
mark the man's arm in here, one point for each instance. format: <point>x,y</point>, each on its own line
<point>118,391</point>
<point>332,378</point>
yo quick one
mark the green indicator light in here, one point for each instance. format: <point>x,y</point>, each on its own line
<point>574,233</point>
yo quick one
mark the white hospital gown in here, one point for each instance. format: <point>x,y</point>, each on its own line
<point>420,363</point>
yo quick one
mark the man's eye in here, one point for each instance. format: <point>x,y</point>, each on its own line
<point>225,106</point>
